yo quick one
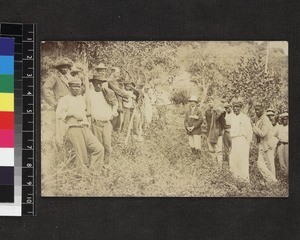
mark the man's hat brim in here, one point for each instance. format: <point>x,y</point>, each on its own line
<point>75,82</point>
<point>283,115</point>
<point>98,80</point>
<point>63,65</point>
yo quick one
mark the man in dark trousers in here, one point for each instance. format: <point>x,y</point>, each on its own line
<point>215,117</point>
<point>192,123</point>
<point>72,110</point>
<point>113,75</point>
<point>226,136</point>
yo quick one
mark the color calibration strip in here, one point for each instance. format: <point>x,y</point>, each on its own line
<point>24,115</point>
<point>6,120</point>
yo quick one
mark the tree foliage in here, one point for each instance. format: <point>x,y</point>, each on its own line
<point>217,69</point>
<point>251,81</point>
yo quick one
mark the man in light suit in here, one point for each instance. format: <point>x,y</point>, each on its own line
<point>265,140</point>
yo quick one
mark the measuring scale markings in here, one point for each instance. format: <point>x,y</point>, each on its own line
<point>24,35</point>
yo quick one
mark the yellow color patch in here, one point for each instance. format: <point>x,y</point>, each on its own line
<point>6,102</point>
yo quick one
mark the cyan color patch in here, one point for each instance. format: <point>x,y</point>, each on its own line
<point>7,65</point>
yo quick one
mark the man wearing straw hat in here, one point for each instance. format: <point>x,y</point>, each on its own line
<point>53,89</point>
<point>192,123</point>
<point>104,107</point>
<point>72,110</point>
<point>265,140</point>
<point>283,143</point>
<point>241,136</point>
<point>58,86</point>
<point>112,83</point>
<point>114,76</point>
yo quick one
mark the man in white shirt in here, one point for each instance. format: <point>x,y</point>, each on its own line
<point>241,136</point>
<point>72,110</point>
<point>104,105</point>
<point>283,144</point>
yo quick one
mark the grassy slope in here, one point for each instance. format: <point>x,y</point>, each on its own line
<point>162,165</point>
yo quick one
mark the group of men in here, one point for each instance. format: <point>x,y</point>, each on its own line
<point>88,109</point>
<point>87,113</point>
<point>230,133</point>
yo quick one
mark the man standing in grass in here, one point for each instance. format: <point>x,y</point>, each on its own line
<point>215,117</point>
<point>72,110</point>
<point>241,136</point>
<point>58,86</point>
<point>226,136</point>
<point>265,140</point>
<point>283,143</point>
<point>54,88</point>
<point>104,105</point>
<point>192,123</point>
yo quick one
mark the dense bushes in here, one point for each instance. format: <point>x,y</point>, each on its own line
<point>180,96</point>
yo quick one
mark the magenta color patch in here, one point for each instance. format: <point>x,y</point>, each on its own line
<point>7,138</point>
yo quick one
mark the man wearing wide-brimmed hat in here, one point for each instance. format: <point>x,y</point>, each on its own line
<point>101,68</point>
<point>264,134</point>
<point>55,87</point>
<point>58,86</point>
<point>241,136</point>
<point>128,104</point>
<point>216,124</point>
<point>138,113</point>
<point>226,135</point>
<point>117,122</point>
<point>72,110</point>
<point>113,75</point>
<point>112,79</point>
<point>116,83</point>
<point>192,123</point>
<point>283,142</point>
<point>104,107</point>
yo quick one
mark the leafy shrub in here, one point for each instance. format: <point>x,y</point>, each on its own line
<point>180,96</point>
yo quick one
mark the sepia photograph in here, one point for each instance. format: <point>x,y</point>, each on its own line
<point>164,119</point>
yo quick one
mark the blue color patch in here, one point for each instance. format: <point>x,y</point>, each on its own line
<point>7,65</point>
<point>7,46</point>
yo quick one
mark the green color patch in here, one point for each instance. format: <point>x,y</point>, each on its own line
<point>6,83</point>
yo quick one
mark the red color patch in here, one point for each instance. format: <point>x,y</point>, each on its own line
<point>6,120</point>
